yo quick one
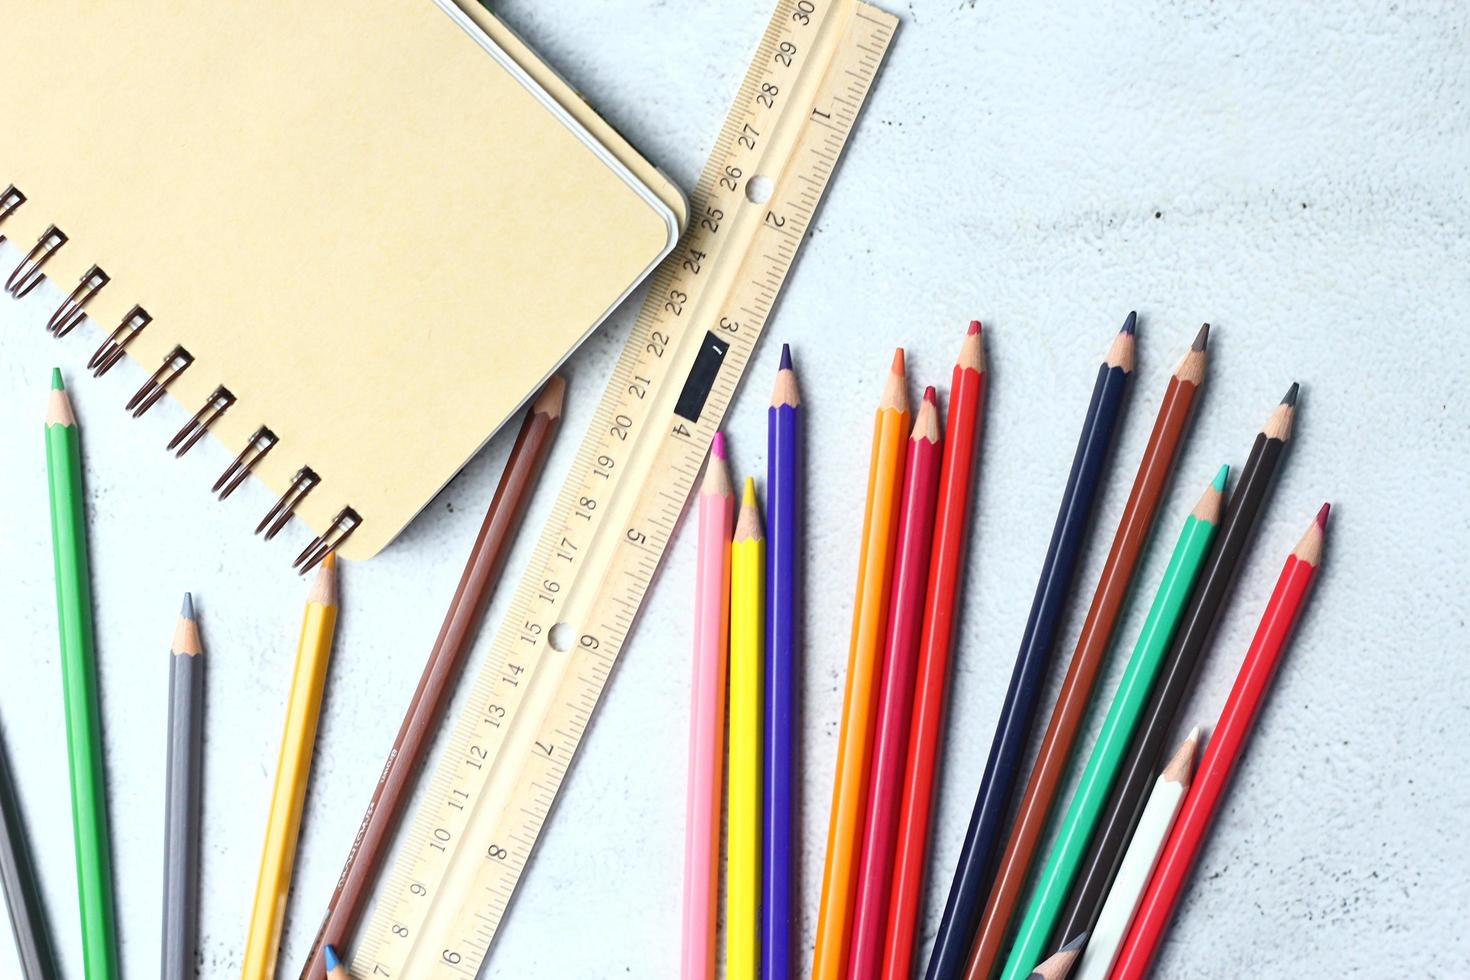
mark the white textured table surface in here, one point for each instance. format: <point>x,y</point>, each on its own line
<point>1298,179</point>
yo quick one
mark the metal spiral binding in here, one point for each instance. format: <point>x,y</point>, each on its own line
<point>152,390</point>
<point>261,443</point>
<point>278,516</point>
<point>328,541</point>
<point>10,199</point>
<point>110,351</point>
<point>73,308</point>
<point>193,430</point>
<point>27,274</point>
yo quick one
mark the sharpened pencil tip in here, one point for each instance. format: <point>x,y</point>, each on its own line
<point>552,397</point>
<point>747,495</point>
<point>324,587</point>
<point>1290,397</point>
<point>717,445</point>
<point>57,384</point>
<point>1201,339</point>
<point>187,610</point>
<point>1221,478</point>
<point>786,357</point>
<point>898,362</point>
<point>1322,516</point>
<point>931,396</point>
<point>975,328</point>
<point>1130,324</point>
<point>329,954</point>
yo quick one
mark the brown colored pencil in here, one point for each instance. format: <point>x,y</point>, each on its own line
<point>461,623</point>
<point>1047,774</point>
<point>1059,965</point>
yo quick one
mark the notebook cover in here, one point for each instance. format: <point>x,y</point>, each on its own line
<point>376,235</point>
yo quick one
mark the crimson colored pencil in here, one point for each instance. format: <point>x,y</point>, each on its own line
<point>951,527</point>
<point>896,690</point>
<point>1238,717</point>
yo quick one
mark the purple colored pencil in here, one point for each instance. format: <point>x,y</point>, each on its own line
<point>783,625</point>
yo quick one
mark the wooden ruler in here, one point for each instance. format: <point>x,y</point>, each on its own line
<point>439,908</point>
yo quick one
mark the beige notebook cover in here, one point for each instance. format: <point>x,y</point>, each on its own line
<point>379,226</point>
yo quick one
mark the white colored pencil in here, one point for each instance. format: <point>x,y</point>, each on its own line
<point>1138,862</point>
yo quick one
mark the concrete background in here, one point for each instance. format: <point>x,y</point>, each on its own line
<point>1295,174</point>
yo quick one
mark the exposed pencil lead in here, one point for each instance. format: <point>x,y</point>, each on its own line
<point>187,611</point>
<point>329,954</point>
<point>1290,396</point>
<point>56,381</point>
<point>747,495</point>
<point>1201,339</point>
<point>552,397</point>
<point>748,520</point>
<point>898,362</point>
<point>785,357</point>
<point>717,445</point>
<point>1076,943</point>
<point>931,396</point>
<point>1221,477</point>
<point>1130,324</point>
<point>1322,516</point>
<point>974,327</point>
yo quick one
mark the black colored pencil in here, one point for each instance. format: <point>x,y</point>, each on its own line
<point>22,894</point>
<point>1150,741</point>
<point>181,805</point>
<point>976,866</point>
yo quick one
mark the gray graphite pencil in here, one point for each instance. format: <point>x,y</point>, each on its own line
<point>181,806</point>
<point>23,896</point>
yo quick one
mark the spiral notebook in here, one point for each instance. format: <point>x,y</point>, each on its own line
<point>351,239</point>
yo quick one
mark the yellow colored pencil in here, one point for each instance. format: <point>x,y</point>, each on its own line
<point>293,768</point>
<point>747,656</point>
<point>891,428</point>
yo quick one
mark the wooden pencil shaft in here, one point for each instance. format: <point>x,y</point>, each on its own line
<point>181,816</point>
<point>1150,740</point>
<point>461,624</point>
<point>28,924</point>
<point>1134,527</point>
<point>951,533</point>
<point>288,794</point>
<point>976,865</point>
<point>83,713</point>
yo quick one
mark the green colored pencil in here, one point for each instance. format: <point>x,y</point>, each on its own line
<point>79,686</point>
<point>1112,743</point>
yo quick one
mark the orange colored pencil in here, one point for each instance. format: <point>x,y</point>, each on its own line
<point>951,534</point>
<point>869,617</point>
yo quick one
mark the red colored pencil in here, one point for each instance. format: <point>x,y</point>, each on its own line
<point>951,529</point>
<point>1237,718</point>
<point>896,691</point>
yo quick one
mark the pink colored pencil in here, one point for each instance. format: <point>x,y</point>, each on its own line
<point>896,692</point>
<point>707,715</point>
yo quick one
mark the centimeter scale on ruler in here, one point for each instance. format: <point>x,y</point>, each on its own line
<point>440,906</point>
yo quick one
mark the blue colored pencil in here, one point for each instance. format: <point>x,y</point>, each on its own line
<point>783,625</point>
<point>972,877</point>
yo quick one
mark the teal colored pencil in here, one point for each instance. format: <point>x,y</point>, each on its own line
<point>79,686</point>
<point>1188,558</point>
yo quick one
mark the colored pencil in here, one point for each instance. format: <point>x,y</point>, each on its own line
<point>855,737</point>
<point>332,964</point>
<point>79,686</point>
<point>1138,861</point>
<point>181,801</point>
<point>1190,554</point>
<point>707,715</point>
<point>1237,719</point>
<point>951,529</point>
<point>747,634</point>
<point>1151,734</point>
<point>293,769</point>
<point>503,519</point>
<point>896,690</point>
<point>33,946</point>
<point>976,865</point>
<point>1113,584</point>
<point>783,670</point>
<point>1059,965</point>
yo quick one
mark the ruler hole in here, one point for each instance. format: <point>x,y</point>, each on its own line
<point>561,637</point>
<point>758,189</point>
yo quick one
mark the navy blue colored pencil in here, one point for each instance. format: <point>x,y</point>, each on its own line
<point>972,877</point>
<point>783,623</point>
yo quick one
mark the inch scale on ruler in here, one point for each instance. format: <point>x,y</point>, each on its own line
<point>441,904</point>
